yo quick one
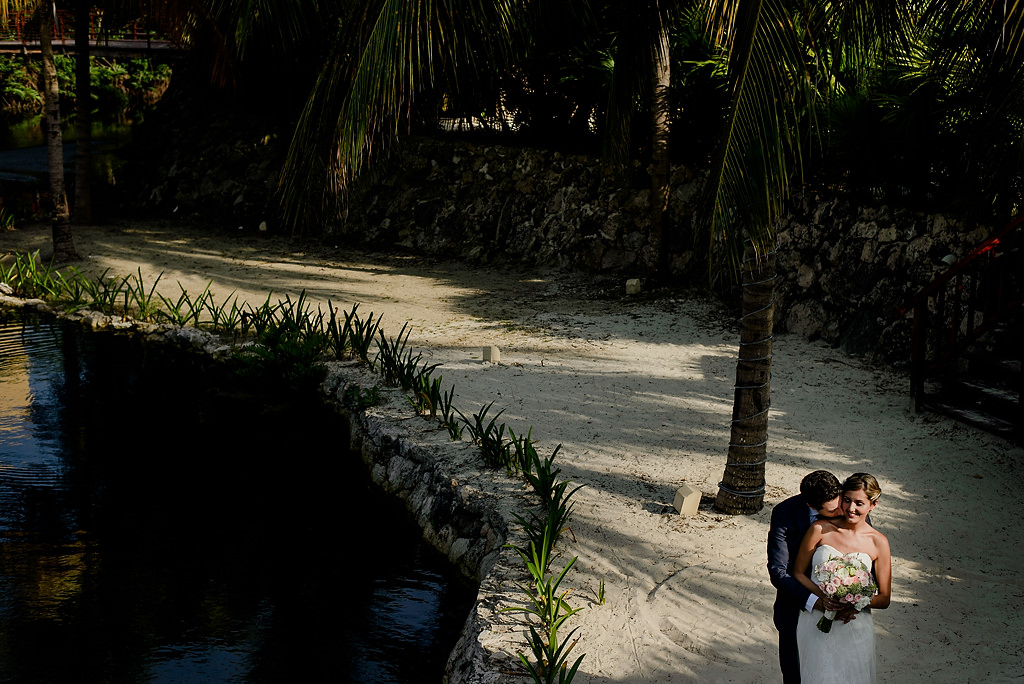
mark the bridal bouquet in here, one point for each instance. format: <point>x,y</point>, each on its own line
<point>845,578</point>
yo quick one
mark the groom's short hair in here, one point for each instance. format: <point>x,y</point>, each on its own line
<point>818,487</point>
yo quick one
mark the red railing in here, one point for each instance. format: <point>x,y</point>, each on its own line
<point>20,28</point>
<point>957,308</point>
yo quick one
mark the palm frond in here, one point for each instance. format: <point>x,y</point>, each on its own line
<point>364,97</point>
<point>750,176</point>
<point>9,6</point>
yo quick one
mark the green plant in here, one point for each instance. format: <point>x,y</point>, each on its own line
<point>298,316</point>
<point>6,219</point>
<point>258,320</point>
<point>107,79</point>
<point>396,364</point>
<point>362,333</point>
<point>224,318</point>
<point>554,495</point>
<point>547,603</point>
<point>28,278</point>
<point>144,74</point>
<point>145,303</point>
<point>540,473</point>
<point>185,310</point>
<point>489,436</point>
<point>600,591</point>
<point>477,427</point>
<point>18,89</point>
<point>427,394</point>
<point>283,358</point>
<point>339,336</point>
<point>76,290</point>
<point>104,292</point>
<point>359,398</point>
<point>551,658</point>
<point>449,419</point>
<point>525,453</point>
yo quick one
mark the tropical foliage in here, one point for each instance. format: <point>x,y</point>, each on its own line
<point>914,102</point>
<point>119,87</point>
<point>918,102</point>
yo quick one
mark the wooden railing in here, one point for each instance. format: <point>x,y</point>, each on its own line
<point>980,291</point>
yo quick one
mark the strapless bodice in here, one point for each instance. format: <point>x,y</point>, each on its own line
<point>826,552</point>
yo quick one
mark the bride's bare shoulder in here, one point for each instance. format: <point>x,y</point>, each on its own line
<point>879,539</point>
<point>824,525</point>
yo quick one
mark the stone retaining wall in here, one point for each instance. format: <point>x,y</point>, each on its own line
<point>845,268</point>
<point>464,509</point>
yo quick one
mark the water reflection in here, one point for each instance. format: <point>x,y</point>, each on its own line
<point>24,166</point>
<point>159,524</point>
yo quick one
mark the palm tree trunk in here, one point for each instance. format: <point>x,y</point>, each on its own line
<point>60,220</point>
<point>742,487</point>
<point>659,146</point>
<point>83,117</point>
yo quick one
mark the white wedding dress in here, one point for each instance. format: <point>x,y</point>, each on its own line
<point>845,655</point>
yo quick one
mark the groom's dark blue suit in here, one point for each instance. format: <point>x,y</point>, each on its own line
<point>790,521</point>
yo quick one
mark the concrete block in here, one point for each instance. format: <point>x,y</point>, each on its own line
<point>633,286</point>
<point>492,354</point>
<point>687,500</point>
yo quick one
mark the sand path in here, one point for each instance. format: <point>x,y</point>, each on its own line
<point>638,391</point>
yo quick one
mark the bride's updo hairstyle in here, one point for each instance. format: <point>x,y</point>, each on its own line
<point>868,483</point>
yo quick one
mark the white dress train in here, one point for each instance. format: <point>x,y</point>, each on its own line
<point>846,654</point>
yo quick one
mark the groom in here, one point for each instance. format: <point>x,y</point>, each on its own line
<point>819,498</point>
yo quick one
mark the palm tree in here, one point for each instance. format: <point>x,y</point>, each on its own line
<point>60,217</point>
<point>83,115</point>
<point>787,59</point>
<point>959,96</point>
<point>748,181</point>
<point>973,50</point>
<point>177,16</point>
<point>784,58</point>
<point>643,71</point>
<point>60,220</point>
<point>397,50</point>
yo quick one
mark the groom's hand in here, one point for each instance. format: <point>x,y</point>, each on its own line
<point>829,604</point>
<point>846,614</point>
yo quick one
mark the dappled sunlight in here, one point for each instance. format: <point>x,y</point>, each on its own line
<point>639,396</point>
<point>690,606</point>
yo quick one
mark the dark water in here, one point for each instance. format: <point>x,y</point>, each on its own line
<point>24,168</point>
<point>159,525</point>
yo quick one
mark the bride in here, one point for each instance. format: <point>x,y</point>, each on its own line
<point>846,654</point>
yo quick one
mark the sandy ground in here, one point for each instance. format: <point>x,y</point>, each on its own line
<point>638,391</point>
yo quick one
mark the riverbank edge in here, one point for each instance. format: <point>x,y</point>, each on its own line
<point>464,509</point>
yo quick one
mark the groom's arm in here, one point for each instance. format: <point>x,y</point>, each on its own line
<point>780,534</point>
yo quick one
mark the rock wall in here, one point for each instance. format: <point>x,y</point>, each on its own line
<point>488,203</point>
<point>845,268</point>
